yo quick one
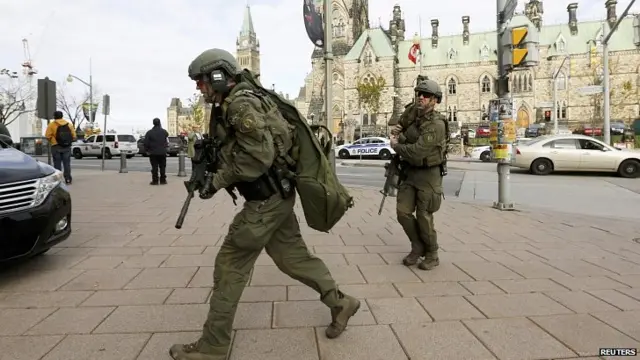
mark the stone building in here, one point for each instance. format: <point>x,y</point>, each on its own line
<point>248,56</point>
<point>465,67</point>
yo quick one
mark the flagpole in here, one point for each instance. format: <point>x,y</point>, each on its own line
<point>420,49</point>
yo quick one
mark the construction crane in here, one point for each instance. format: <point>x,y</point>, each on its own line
<point>29,71</point>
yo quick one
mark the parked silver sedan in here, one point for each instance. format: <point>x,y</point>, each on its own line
<point>549,153</point>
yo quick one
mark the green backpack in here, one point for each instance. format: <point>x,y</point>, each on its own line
<point>324,199</point>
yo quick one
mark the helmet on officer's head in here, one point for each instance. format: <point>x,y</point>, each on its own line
<point>429,87</point>
<point>216,66</point>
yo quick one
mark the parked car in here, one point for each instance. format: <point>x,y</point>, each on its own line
<point>35,205</point>
<point>377,147</point>
<point>617,128</point>
<point>588,130</point>
<point>174,146</point>
<point>483,131</point>
<point>141,149</point>
<point>115,145</point>
<point>534,130</point>
<point>575,153</point>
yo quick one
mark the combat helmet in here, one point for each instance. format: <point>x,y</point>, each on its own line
<point>430,87</point>
<point>213,59</point>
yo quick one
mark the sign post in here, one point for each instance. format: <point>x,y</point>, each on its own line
<point>46,105</point>
<point>106,108</point>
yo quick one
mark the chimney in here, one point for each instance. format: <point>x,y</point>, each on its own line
<point>573,20</point>
<point>611,12</point>
<point>465,30</point>
<point>434,33</point>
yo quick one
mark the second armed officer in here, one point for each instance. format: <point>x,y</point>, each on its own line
<point>422,149</point>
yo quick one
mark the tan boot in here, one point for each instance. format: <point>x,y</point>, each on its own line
<point>190,352</point>
<point>411,259</point>
<point>428,263</point>
<point>340,316</point>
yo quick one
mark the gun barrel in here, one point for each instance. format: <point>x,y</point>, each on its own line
<point>384,197</point>
<point>185,209</point>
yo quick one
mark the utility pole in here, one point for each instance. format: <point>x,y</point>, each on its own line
<point>606,35</point>
<point>328,79</point>
<point>517,47</point>
<point>555,95</point>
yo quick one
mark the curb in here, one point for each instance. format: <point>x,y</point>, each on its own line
<point>379,165</point>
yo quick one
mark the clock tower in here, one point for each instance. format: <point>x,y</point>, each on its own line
<point>247,45</point>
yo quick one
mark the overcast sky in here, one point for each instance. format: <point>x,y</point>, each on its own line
<point>140,50</point>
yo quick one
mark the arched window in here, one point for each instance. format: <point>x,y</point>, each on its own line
<point>455,113</point>
<point>561,81</point>
<point>368,79</point>
<point>484,52</point>
<point>563,111</point>
<point>368,58</point>
<point>449,114</point>
<point>452,87</point>
<point>486,84</point>
<point>485,116</point>
<point>530,82</point>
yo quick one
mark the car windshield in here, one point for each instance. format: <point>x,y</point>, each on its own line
<point>126,138</point>
<point>174,140</point>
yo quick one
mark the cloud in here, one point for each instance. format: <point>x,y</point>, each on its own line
<point>140,50</point>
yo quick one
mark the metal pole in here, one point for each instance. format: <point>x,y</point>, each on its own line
<point>361,125</point>
<point>104,142</point>
<point>91,94</point>
<point>503,167</point>
<point>48,146</point>
<point>605,88</point>
<point>555,104</point>
<point>328,80</point>
<point>181,163</point>
<point>123,163</point>
<point>420,48</point>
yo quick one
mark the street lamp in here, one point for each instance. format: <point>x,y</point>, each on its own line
<point>555,92</point>
<point>70,78</point>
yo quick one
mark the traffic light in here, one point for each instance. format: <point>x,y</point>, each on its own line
<point>520,46</point>
<point>547,115</point>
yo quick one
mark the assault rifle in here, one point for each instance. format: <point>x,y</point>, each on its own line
<point>205,164</point>
<point>394,176</point>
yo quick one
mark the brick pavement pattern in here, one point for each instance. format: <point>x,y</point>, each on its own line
<point>517,285</point>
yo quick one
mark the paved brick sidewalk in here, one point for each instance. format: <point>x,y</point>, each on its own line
<point>518,285</point>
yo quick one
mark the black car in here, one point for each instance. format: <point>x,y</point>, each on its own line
<point>175,143</point>
<point>35,205</point>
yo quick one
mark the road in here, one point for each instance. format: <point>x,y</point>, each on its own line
<point>349,175</point>
<point>595,195</point>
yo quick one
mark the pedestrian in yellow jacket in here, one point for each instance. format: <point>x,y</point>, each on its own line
<point>61,135</point>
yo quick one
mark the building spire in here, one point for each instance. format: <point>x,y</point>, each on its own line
<point>247,24</point>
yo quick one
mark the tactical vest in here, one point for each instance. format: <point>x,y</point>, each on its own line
<point>437,155</point>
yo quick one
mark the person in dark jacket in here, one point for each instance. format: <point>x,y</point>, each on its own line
<point>4,130</point>
<point>155,145</point>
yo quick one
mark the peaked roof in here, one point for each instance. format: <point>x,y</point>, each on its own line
<point>377,39</point>
<point>472,52</point>
<point>247,23</point>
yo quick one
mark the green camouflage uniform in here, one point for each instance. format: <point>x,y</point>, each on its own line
<point>421,147</point>
<point>247,153</point>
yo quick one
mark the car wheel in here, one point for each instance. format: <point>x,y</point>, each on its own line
<point>541,167</point>
<point>485,156</point>
<point>129,156</point>
<point>107,154</point>
<point>629,169</point>
<point>343,154</point>
<point>385,154</point>
<point>77,154</point>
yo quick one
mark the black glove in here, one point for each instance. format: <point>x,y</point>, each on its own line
<point>207,190</point>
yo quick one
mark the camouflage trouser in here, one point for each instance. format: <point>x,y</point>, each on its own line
<point>273,226</point>
<point>419,228</point>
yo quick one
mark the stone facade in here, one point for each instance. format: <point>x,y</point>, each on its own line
<point>465,66</point>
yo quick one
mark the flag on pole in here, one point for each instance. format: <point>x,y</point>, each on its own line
<point>414,52</point>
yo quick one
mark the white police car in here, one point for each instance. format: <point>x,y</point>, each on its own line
<point>378,147</point>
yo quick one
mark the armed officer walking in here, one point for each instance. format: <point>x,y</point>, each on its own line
<point>422,147</point>
<point>252,133</point>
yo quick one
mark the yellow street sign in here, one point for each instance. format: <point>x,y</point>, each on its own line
<point>518,56</point>
<point>517,35</point>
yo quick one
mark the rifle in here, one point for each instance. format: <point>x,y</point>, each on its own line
<point>393,175</point>
<point>203,161</point>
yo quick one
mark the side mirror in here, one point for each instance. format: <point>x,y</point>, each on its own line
<point>6,139</point>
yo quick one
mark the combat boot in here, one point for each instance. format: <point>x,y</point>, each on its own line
<point>411,259</point>
<point>429,262</point>
<point>341,314</point>
<point>190,352</point>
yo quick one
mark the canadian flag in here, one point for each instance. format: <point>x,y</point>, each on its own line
<point>414,52</point>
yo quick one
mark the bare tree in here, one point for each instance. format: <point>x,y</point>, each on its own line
<point>14,99</point>
<point>620,94</point>
<point>71,106</point>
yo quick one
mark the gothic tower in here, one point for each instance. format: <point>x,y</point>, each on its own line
<point>247,45</point>
<point>534,11</point>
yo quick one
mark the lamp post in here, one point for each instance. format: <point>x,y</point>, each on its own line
<point>70,78</point>
<point>555,92</point>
